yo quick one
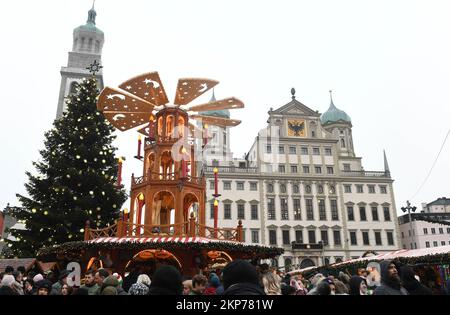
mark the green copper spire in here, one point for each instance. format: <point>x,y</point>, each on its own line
<point>334,114</point>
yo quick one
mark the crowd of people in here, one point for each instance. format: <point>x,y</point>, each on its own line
<point>239,277</point>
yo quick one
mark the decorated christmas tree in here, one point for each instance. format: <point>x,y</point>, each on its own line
<point>75,178</point>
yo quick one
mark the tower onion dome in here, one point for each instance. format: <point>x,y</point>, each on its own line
<point>334,114</point>
<point>90,24</point>
<point>222,113</point>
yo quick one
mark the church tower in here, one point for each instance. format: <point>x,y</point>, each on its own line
<point>88,42</point>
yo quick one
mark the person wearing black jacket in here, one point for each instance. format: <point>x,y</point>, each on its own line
<point>241,278</point>
<point>411,284</point>
<point>390,281</point>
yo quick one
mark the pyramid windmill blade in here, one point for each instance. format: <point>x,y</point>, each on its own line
<point>148,87</point>
<point>123,110</point>
<point>216,121</point>
<point>189,89</point>
<point>228,103</point>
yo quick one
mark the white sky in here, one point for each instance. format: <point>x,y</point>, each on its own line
<point>386,61</point>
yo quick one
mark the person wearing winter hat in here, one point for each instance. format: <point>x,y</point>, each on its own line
<point>119,277</point>
<point>390,281</point>
<point>38,278</point>
<point>358,285</point>
<point>109,291</point>
<point>112,281</point>
<point>6,285</point>
<point>241,278</point>
<point>214,283</point>
<point>57,287</point>
<point>167,280</point>
<point>142,286</point>
<point>43,287</point>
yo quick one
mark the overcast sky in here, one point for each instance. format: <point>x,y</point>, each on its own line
<point>388,63</point>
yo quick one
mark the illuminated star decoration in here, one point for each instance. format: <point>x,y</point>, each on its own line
<point>94,68</point>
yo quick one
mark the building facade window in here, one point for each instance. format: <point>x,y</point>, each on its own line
<point>378,238</point>
<point>448,230</point>
<point>286,237</point>
<point>350,213</point>
<point>284,209</point>
<point>441,231</point>
<point>226,185</point>
<point>387,214</point>
<point>272,237</point>
<point>312,236</point>
<point>371,189</point>
<point>334,210</point>
<point>268,149</point>
<point>270,188</point>
<point>241,211</point>
<point>281,149</point>
<point>281,168</point>
<point>328,151</point>
<point>425,231</point>
<point>322,210</point>
<point>359,189</point>
<point>299,236</point>
<point>427,244</point>
<point>375,214</point>
<point>227,211</point>
<point>347,167</point>
<point>435,243</point>
<point>240,185</point>
<point>306,169</point>
<point>337,237</point>
<point>316,151</point>
<point>330,170</point>
<point>211,210</point>
<point>365,236</point>
<point>254,212</point>
<point>383,190</point>
<point>304,151</point>
<point>297,210</point>
<point>324,236</point>
<point>318,169</point>
<point>362,213</point>
<point>294,169</point>
<point>253,186</point>
<point>292,150</point>
<point>255,236</point>
<point>353,240</point>
<point>433,231</point>
<point>390,238</point>
<point>211,184</point>
<point>309,209</point>
<point>348,189</point>
<point>271,209</point>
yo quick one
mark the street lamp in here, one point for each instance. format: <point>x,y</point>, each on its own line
<point>409,209</point>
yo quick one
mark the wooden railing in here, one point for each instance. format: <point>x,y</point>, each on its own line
<point>188,228</point>
<point>164,177</point>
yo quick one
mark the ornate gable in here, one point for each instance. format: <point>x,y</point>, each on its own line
<point>295,108</point>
